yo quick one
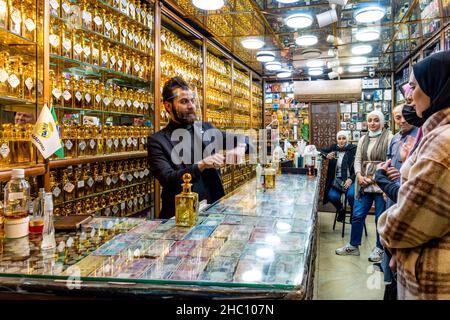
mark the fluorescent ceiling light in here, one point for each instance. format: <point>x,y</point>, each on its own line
<point>358,60</point>
<point>306,40</point>
<point>326,18</point>
<point>252,43</point>
<point>314,63</point>
<point>333,63</point>
<point>315,71</point>
<point>367,35</point>
<point>287,1</point>
<point>362,49</point>
<point>273,66</point>
<point>208,4</point>
<point>331,52</point>
<point>356,69</point>
<point>369,14</point>
<point>299,21</point>
<point>284,74</point>
<point>331,39</point>
<point>265,56</point>
<point>339,2</point>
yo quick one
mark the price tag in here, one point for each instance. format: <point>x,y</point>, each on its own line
<point>69,187</point>
<point>3,75</point>
<point>98,21</point>
<point>30,25</point>
<point>87,97</point>
<point>29,83</point>
<point>4,150</point>
<point>56,192</point>
<point>13,81</point>
<point>82,145</point>
<point>81,184</point>
<point>69,145</point>
<point>67,44</point>
<point>78,95</point>
<point>92,143</point>
<point>66,95</point>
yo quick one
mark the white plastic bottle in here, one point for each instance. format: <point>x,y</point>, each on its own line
<point>48,235</point>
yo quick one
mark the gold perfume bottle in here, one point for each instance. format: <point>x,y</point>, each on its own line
<point>96,45</point>
<point>81,140</point>
<point>269,177</point>
<point>99,140</point>
<point>86,15</point>
<point>88,101</point>
<point>15,79</point>
<point>56,90</point>
<point>79,182</point>
<point>98,97</point>
<point>68,92</point>
<point>4,72</point>
<point>107,181</point>
<point>98,20</point>
<point>54,38</point>
<point>55,188</point>
<point>78,45</point>
<point>5,146</point>
<point>65,9</point>
<point>68,184</point>
<point>15,17</point>
<point>108,95</point>
<point>79,90</point>
<point>108,142</point>
<point>29,76</point>
<point>104,55</point>
<point>87,49</point>
<point>29,20</point>
<point>98,179</point>
<point>115,135</point>
<point>186,205</point>
<point>4,11</point>
<point>107,25</point>
<point>69,138</point>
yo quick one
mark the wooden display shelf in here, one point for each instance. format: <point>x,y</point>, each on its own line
<point>89,111</point>
<point>102,158</point>
<point>30,171</point>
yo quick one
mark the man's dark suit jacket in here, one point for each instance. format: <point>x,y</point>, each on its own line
<point>170,175</point>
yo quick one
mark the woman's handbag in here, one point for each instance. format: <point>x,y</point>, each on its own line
<point>339,184</point>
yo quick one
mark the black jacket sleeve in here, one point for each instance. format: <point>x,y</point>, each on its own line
<point>161,167</point>
<point>352,164</point>
<point>390,188</point>
<point>325,151</point>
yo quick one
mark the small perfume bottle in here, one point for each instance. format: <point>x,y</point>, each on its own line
<point>80,182</point>
<point>68,184</point>
<point>37,220</point>
<point>55,188</point>
<point>81,139</point>
<point>48,235</point>
<point>186,205</point>
<point>5,145</point>
<point>4,11</point>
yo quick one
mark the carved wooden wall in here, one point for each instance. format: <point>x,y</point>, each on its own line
<point>324,127</point>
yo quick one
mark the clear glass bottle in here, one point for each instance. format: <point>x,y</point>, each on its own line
<point>4,11</point>
<point>186,205</point>
<point>29,20</point>
<point>5,145</point>
<point>37,220</point>
<point>4,72</point>
<point>29,76</point>
<point>65,9</point>
<point>15,17</point>
<point>55,188</point>
<point>16,195</point>
<point>89,179</point>
<point>54,38</point>
<point>48,235</point>
<point>79,90</point>
<point>56,90</point>
<point>68,184</point>
<point>79,182</point>
<point>15,79</point>
<point>81,139</point>
<point>68,89</point>
<point>66,42</point>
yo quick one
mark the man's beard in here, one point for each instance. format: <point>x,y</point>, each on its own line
<point>184,118</point>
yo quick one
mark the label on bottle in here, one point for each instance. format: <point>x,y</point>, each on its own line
<point>115,179</point>
<point>131,36</point>
<point>135,201</point>
<point>78,48</point>
<point>3,75</point>
<point>136,174</point>
<point>81,184</point>
<point>122,206</point>
<point>141,201</point>
<point>109,143</point>
<point>87,51</point>
<point>143,140</point>
<point>98,98</point>
<point>108,181</point>
<point>13,81</point>
<point>141,105</point>
<point>135,143</point>
<point>116,142</point>
<point>136,104</point>
<point>123,176</point>
<point>66,95</point>
<point>4,150</point>
<point>54,40</point>
<point>130,203</point>
<point>92,143</point>
<point>16,196</point>
<point>137,67</point>
<point>146,106</point>
<point>54,4</point>
<point>56,93</point>
<point>78,95</point>
<point>137,39</point>
<point>69,144</point>
<point>30,25</point>
<point>149,44</point>
<point>146,172</point>
<point>87,97</point>
<point>69,187</point>
<point>16,16</point>
<point>124,33</point>
<point>67,44</point>
<point>90,182</point>
<point>143,42</point>
<point>120,63</point>
<point>122,102</point>
<point>107,211</point>
<point>130,177</point>
<point>95,53</point>
<point>87,17</point>
<point>113,60</point>
<point>132,8</point>
<point>82,145</point>
<point>98,21</point>
<point>124,3</point>
<point>99,178</point>
<point>115,30</point>
<point>29,83</point>
<point>56,192</point>
<point>115,209</point>
<point>108,25</point>
<point>104,58</point>
<point>106,101</point>
<point>141,174</point>
<point>129,103</point>
<point>147,198</point>
<point>117,102</point>
<point>66,7</point>
<point>143,14</point>
<point>129,141</point>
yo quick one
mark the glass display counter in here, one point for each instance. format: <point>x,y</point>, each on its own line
<point>249,244</point>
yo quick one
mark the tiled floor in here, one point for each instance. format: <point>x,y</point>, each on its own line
<point>345,277</point>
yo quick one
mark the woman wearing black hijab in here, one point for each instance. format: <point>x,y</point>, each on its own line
<point>417,229</point>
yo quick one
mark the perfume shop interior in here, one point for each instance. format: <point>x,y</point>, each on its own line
<point>326,93</point>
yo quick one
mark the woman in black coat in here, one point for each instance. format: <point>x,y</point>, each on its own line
<point>341,173</point>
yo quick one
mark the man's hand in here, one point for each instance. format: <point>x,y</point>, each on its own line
<point>330,156</point>
<point>348,183</point>
<point>393,174</point>
<point>384,165</point>
<point>214,161</point>
<point>363,181</point>
<point>405,148</point>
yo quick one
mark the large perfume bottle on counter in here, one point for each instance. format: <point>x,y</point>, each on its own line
<point>17,197</point>
<point>186,204</point>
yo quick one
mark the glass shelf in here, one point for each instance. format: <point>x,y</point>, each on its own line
<point>78,67</point>
<point>12,39</point>
<point>12,101</point>
<point>101,112</point>
<point>129,19</point>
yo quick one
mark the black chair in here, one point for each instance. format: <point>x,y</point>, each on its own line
<point>348,213</point>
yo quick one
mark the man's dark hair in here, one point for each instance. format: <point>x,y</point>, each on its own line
<point>171,85</point>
